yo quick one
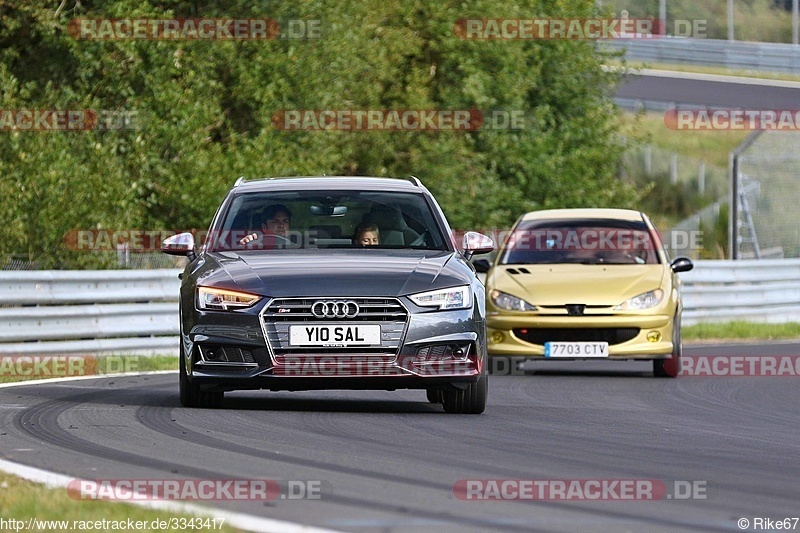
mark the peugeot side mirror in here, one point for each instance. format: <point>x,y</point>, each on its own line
<point>681,264</point>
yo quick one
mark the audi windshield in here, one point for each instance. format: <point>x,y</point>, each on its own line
<point>321,220</point>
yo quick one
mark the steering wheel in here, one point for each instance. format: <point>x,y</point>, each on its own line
<point>639,258</point>
<point>261,241</point>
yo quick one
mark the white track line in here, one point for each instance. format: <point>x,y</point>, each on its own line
<point>242,521</point>
<point>81,378</point>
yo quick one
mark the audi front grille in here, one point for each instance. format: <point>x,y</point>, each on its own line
<point>281,313</point>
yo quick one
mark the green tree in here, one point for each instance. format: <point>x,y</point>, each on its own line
<point>204,113</point>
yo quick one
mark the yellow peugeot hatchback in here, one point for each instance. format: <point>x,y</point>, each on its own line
<point>585,284</point>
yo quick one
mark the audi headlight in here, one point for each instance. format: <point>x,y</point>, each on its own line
<point>224,300</point>
<point>454,298</point>
<point>510,303</point>
<point>643,301</point>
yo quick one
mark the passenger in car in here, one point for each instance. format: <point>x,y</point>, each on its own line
<point>367,234</point>
<point>394,229</point>
<point>276,219</point>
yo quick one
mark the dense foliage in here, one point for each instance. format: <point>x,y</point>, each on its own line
<point>203,113</point>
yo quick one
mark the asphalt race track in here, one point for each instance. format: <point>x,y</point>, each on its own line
<point>388,461</point>
<point>703,92</point>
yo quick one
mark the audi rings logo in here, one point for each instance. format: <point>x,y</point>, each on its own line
<point>334,309</point>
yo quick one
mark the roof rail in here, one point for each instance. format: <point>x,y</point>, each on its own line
<point>414,180</point>
<point>239,181</point>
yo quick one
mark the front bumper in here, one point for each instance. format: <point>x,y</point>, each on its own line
<point>254,366</point>
<point>653,340</point>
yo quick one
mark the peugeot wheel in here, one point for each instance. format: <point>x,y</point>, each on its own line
<point>670,368</point>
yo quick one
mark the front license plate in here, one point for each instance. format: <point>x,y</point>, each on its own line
<point>335,335</point>
<point>576,349</point>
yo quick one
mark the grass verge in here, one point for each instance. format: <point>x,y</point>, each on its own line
<point>24,368</point>
<point>712,147</point>
<point>22,500</point>
<point>748,331</point>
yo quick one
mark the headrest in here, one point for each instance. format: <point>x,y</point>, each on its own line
<point>386,218</point>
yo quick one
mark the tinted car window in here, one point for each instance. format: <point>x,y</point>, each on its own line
<point>580,242</point>
<point>324,220</point>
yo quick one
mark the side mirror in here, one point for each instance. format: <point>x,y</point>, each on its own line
<point>477,243</point>
<point>482,265</point>
<point>681,264</point>
<point>180,244</point>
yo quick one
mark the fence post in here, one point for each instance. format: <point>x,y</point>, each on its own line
<point>673,168</point>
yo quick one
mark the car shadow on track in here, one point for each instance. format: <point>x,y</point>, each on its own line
<point>263,402</point>
<point>589,373</point>
<point>608,369</point>
<point>163,394</point>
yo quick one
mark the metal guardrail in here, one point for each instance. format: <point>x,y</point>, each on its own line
<point>102,311</point>
<point>742,55</point>
<point>750,290</point>
<point>136,311</point>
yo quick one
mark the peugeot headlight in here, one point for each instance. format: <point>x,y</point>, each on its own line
<point>510,303</point>
<point>224,300</point>
<point>643,301</point>
<point>444,299</point>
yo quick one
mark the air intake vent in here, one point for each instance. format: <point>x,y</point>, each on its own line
<point>610,335</point>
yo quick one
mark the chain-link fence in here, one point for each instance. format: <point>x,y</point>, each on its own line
<point>700,236</point>
<point>684,187</point>
<point>649,162</point>
<point>768,197</point>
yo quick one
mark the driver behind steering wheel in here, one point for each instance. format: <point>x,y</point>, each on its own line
<point>276,220</point>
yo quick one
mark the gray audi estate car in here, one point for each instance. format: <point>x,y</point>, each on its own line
<point>307,283</point>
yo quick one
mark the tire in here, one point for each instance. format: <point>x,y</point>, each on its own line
<point>434,395</point>
<point>471,400</point>
<point>191,395</point>
<point>671,368</point>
